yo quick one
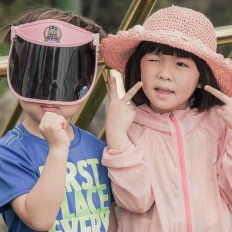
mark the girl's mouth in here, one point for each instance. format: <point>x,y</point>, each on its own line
<point>161,90</point>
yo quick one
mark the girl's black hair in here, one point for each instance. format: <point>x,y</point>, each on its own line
<point>201,99</point>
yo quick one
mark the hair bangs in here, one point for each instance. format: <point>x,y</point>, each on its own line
<point>164,49</point>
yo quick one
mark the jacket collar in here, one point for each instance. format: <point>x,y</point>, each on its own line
<point>187,118</point>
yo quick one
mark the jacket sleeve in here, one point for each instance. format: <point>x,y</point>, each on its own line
<point>225,171</point>
<point>130,176</point>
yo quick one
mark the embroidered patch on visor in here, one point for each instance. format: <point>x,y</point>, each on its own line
<point>52,34</point>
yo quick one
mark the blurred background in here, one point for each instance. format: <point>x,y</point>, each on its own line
<point>109,14</point>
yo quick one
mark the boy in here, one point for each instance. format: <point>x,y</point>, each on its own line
<point>51,177</point>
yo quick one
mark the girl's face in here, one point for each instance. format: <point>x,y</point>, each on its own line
<point>168,81</point>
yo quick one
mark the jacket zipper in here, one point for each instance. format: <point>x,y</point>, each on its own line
<point>183,173</point>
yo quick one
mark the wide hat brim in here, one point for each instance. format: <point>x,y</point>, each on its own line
<point>115,51</point>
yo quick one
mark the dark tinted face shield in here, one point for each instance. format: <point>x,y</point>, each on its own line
<point>52,62</point>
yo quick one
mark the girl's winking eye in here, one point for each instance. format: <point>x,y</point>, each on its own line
<point>153,57</point>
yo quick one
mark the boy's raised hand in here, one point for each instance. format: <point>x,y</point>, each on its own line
<point>53,128</point>
<point>225,111</point>
<point>119,115</point>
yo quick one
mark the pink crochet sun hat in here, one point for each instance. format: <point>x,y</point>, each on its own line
<point>178,27</point>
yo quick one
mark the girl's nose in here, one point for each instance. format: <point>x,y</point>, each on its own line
<point>165,72</point>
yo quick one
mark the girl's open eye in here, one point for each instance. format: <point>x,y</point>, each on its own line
<point>181,64</point>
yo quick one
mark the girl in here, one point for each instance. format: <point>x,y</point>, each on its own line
<point>169,157</point>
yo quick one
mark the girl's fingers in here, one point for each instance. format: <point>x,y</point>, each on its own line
<point>130,94</point>
<point>218,94</point>
<point>113,88</point>
<point>113,94</point>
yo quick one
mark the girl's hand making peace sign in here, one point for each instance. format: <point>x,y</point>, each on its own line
<point>119,115</point>
<point>225,111</point>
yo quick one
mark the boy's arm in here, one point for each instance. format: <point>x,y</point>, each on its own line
<point>38,209</point>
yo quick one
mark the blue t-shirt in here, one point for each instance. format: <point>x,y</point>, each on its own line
<point>87,199</point>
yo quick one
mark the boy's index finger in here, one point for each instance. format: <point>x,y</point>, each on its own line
<point>218,94</point>
<point>130,94</point>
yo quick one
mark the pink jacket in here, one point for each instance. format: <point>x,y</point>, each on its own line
<point>175,175</point>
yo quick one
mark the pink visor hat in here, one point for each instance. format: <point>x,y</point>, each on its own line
<point>178,27</point>
<point>52,61</point>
